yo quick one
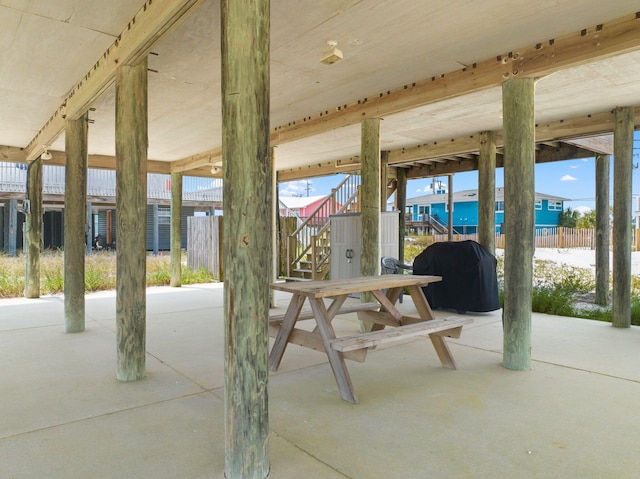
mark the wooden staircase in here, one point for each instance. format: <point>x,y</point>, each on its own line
<point>308,246</point>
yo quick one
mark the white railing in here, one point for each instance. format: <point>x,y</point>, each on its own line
<point>13,179</point>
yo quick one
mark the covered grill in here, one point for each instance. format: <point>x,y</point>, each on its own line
<point>469,280</point>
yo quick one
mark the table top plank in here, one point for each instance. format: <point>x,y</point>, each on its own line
<point>338,287</point>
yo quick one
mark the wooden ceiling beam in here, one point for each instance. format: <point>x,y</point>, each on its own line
<point>322,169</point>
<point>206,159</point>
<point>12,154</point>
<point>152,22</point>
<point>544,155</point>
<point>599,144</point>
<point>591,44</point>
<point>550,55</point>
<point>104,162</point>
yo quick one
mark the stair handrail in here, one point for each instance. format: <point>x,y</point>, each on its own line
<point>444,228</point>
<point>314,228</point>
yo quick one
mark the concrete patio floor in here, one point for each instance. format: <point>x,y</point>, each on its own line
<point>64,415</point>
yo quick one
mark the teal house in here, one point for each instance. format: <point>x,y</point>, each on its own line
<point>432,211</point>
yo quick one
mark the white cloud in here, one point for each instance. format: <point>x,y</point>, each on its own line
<point>567,178</point>
<point>582,209</point>
<point>296,188</point>
<point>574,166</point>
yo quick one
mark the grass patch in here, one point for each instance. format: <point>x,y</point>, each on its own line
<point>557,288</point>
<point>100,273</point>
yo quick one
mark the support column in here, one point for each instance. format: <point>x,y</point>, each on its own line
<point>450,208</point>
<point>247,234</point>
<point>384,179</point>
<point>156,229</point>
<point>602,229</point>
<point>109,227</point>
<point>519,160</point>
<point>275,230</point>
<point>12,228</point>
<point>370,195</point>
<point>33,230</point>
<point>622,174</point>
<point>75,188</point>
<point>88,226</point>
<point>176,230</point>
<point>487,191</point>
<point>401,204</point>
<point>131,199</point>
<point>370,198</point>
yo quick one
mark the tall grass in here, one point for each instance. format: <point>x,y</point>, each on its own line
<point>100,273</point>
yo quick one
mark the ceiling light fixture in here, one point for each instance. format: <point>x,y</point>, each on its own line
<point>333,55</point>
<point>46,155</point>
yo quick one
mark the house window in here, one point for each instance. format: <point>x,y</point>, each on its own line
<point>538,204</point>
<point>555,205</point>
<point>499,205</point>
<point>164,215</point>
<point>423,210</point>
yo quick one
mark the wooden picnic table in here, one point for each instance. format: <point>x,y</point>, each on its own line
<point>381,313</point>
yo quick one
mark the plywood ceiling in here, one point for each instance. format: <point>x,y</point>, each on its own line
<point>48,47</point>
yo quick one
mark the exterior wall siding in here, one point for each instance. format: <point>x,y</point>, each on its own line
<point>465,215</point>
<point>164,227</point>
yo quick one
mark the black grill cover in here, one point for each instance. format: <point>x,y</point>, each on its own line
<point>469,280</point>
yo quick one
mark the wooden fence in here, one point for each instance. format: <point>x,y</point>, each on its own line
<point>557,237</point>
<point>204,244</point>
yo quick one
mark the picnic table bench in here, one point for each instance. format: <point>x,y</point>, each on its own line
<point>381,314</point>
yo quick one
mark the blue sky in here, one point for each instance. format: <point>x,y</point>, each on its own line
<point>572,179</point>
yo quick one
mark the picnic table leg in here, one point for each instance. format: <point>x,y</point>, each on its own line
<point>288,322</point>
<point>421,303</point>
<point>336,359</point>
<point>443,351</point>
<point>439,344</point>
<point>336,304</point>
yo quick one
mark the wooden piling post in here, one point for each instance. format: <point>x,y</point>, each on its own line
<point>401,205</point>
<point>487,191</point>
<point>155,229</point>
<point>131,199</point>
<point>450,209</point>
<point>175,269</point>
<point>519,160</point>
<point>370,197</point>
<point>370,193</point>
<point>384,179</point>
<point>623,125</point>
<point>33,230</point>
<point>247,234</point>
<point>88,225</point>
<point>602,229</point>
<point>75,189</point>
<point>11,212</point>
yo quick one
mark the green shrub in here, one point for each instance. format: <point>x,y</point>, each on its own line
<point>552,300</point>
<point>635,310</point>
<point>200,275</point>
<point>571,278</point>
<point>414,245</point>
<point>11,284</point>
